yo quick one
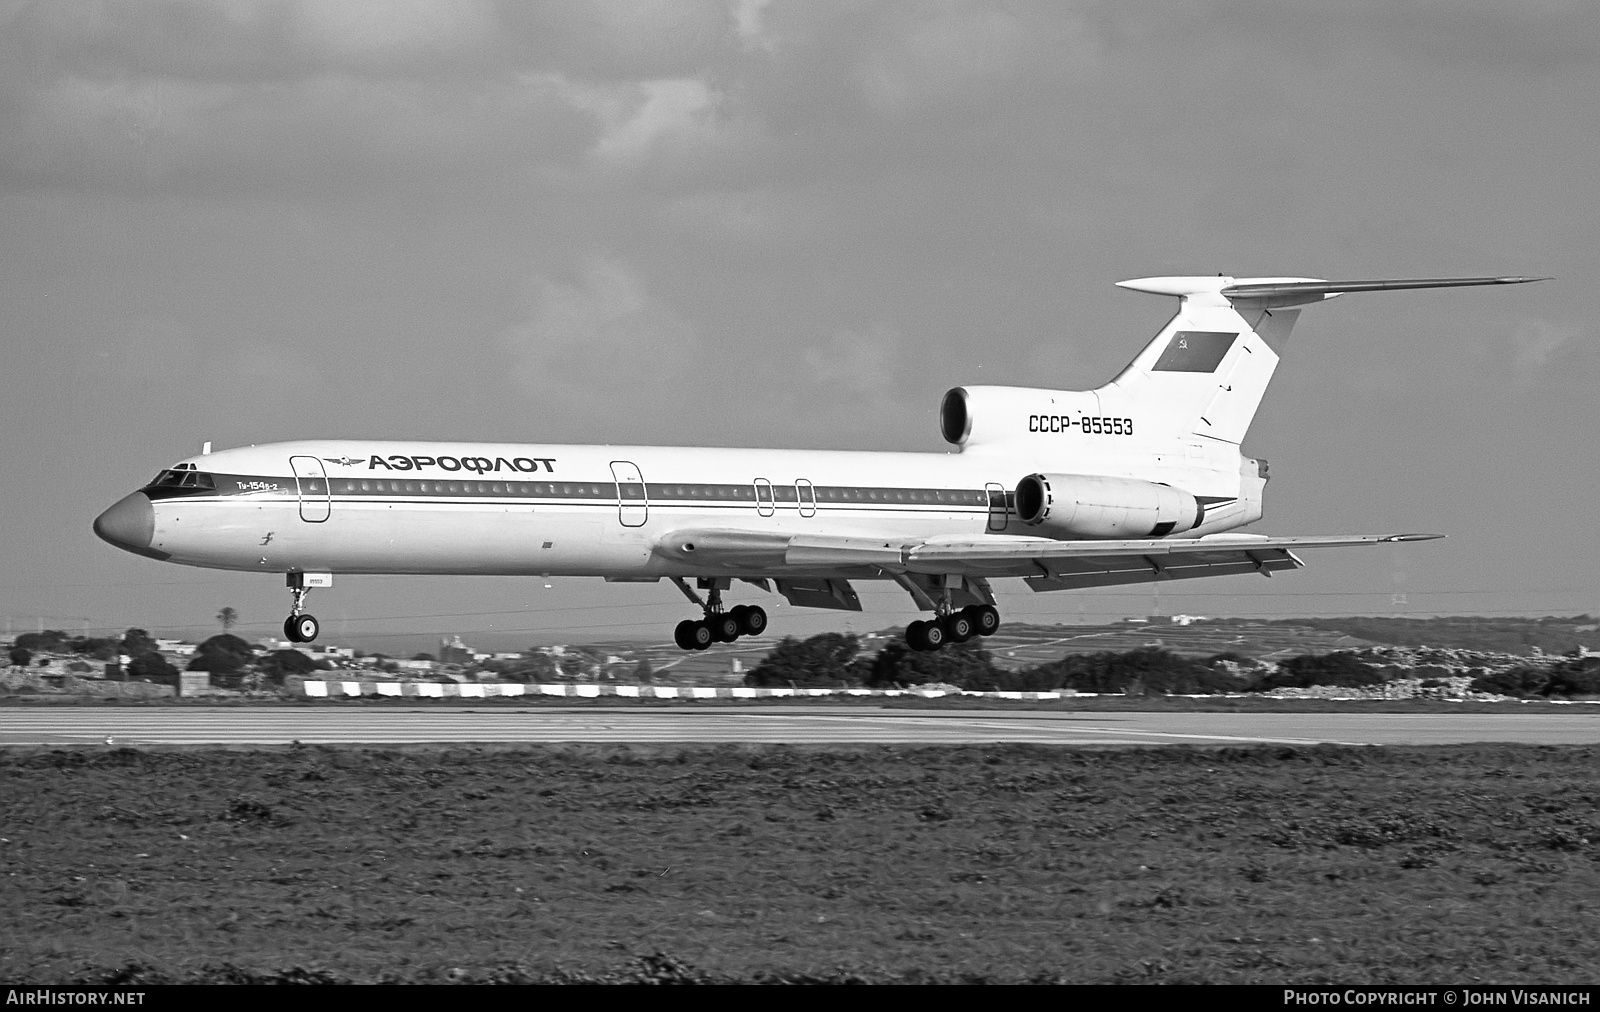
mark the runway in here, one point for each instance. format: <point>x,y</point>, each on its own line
<point>772,724</point>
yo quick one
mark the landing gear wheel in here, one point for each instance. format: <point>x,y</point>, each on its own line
<point>985,619</point>
<point>724,627</point>
<point>959,626</point>
<point>701,636</point>
<point>914,635</point>
<point>302,628</point>
<point>922,635</point>
<point>753,622</point>
<point>683,635</point>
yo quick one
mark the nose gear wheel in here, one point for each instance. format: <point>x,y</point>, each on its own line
<point>301,628</point>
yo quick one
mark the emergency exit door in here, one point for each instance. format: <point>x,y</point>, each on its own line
<point>633,505</point>
<point>311,482</point>
<point>1001,506</point>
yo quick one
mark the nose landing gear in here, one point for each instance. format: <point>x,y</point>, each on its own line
<point>718,626</point>
<point>300,627</point>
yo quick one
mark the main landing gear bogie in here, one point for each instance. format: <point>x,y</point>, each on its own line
<point>953,627</point>
<point>720,627</point>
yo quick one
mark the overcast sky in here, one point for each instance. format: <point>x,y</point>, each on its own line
<point>790,224</point>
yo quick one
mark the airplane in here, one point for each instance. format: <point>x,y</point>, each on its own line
<point>1136,481</point>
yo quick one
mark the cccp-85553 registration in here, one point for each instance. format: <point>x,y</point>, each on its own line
<point>1096,425</point>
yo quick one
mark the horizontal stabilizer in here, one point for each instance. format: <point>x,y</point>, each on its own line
<point>1253,288</point>
<point>1276,293</point>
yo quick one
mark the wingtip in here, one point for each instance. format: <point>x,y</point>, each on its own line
<point>1399,538</point>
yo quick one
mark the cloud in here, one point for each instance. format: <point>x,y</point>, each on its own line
<point>1534,344</point>
<point>313,96</point>
<point>340,97</point>
<point>748,22</point>
<point>635,118</point>
<point>397,35</point>
<point>856,361</point>
<point>931,55</point>
<point>601,337</point>
<point>853,379</point>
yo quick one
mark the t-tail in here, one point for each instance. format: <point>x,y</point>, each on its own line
<point>1206,371</point>
<point>1198,382</point>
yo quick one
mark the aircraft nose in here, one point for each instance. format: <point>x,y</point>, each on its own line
<point>130,524</point>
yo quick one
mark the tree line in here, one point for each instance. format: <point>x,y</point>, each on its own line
<point>230,660</point>
<point>835,659</point>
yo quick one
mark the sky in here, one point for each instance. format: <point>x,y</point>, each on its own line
<point>795,225</point>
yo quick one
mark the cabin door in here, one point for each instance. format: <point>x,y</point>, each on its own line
<point>633,506</point>
<point>311,481</point>
<point>766,502</point>
<point>806,496</point>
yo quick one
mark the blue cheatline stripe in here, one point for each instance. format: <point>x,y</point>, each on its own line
<point>666,493</point>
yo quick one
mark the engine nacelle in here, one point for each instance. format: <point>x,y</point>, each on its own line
<point>978,416</point>
<point>1072,506</point>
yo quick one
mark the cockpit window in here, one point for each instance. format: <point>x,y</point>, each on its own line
<point>196,480</point>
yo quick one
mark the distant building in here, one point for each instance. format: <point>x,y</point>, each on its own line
<point>1187,619</point>
<point>315,651</point>
<point>453,651</point>
<point>178,648</point>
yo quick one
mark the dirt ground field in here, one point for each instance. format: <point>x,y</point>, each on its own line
<point>1460,864</point>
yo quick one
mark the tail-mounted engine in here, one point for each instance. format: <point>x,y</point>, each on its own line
<point>976,416</point>
<point>1072,506</point>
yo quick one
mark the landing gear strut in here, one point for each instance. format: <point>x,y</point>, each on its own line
<point>300,627</point>
<point>718,626</point>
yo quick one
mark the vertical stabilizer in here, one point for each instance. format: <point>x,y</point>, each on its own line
<point>1207,370</point>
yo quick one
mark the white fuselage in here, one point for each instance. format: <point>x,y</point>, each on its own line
<point>523,509</point>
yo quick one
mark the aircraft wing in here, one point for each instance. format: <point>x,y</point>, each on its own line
<point>1046,564</point>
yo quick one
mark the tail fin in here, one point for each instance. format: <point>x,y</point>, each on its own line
<point>1207,370</point>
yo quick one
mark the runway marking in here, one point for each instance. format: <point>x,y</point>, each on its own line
<point>810,725</point>
<point>1204,737</point>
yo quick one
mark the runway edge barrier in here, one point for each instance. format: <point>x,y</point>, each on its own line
<point>516,690</point>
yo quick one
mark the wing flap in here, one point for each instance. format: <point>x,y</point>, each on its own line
<point>1110,571</point>
<point>820,592</point>
<point>981,549</point>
